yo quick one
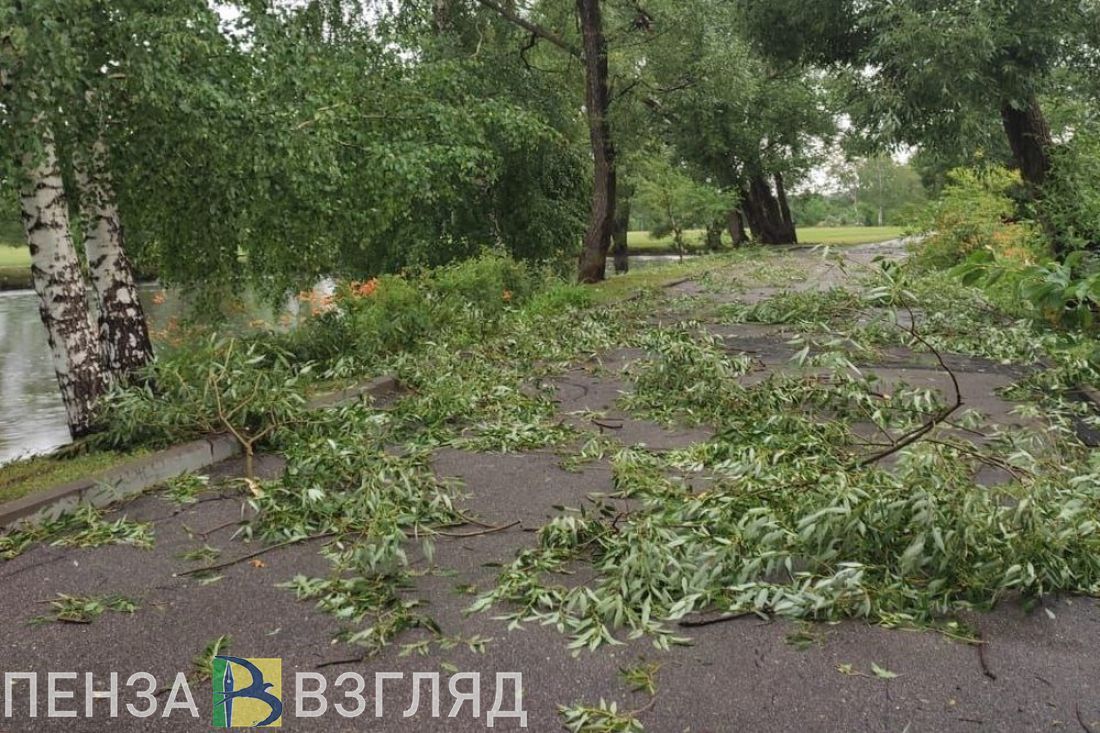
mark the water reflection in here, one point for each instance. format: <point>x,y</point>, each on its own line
<point>32,416</point>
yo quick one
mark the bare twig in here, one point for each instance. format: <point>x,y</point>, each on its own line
<point>1080,719</point>
<point>477,533</point>
<point>914,435</point>
<point>695,623</point>
<point>257,553</point>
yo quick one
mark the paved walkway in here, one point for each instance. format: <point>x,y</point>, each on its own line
<point>1039,670</point>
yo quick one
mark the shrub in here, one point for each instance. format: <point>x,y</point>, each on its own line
<point>383,315</point>
<point>558,298</point>
<point>1071,197</point>
<point>489,282</point>
<point>977,211</point>
<point>247,388</point>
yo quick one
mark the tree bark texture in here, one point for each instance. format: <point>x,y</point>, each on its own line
<point>736,226</point>
<point>1029,137</point>
<point>764,213</point>
<point>123,332</point>
<point>62,294</point>
<point>597,98</point>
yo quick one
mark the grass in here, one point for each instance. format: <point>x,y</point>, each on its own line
<point>23,477</point>
<point>806,235</point>
<point>14,256</point>
<point>619,286</point>
<point>15,260</point>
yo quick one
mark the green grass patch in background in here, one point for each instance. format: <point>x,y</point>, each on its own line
<point>13,257</point>
<point>641,241</point>
<point>15,260</point>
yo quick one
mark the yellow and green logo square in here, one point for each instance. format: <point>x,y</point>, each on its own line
<point>248,693</point>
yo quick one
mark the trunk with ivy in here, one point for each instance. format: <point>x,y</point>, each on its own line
<point>597,98</point>
<point>767,217</point>
<point>62,294</point>
<point>1029,138</point>
<point>123,333</point>
<point>619,247</point>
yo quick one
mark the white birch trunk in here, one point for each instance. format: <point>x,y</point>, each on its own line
<point>62,294</point>
<point>123,332</point>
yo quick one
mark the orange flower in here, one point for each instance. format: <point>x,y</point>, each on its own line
<point>367,289</point>
<point>159,297</point>
<point>507,296</point>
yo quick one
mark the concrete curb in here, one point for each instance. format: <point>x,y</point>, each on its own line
<point>140,474</point>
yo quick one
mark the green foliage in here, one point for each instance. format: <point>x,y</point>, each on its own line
<point>369,322</point>
<point>977,211</point>
<point>1071,197</point>
<point>184,489</point>
<point>490,283</point>
<point>642,677</point>
<point>85,527</point>
<point>219,384</point>
<point>602,718</point>
<point>84,609</point>
<point>393,317</point>
<point>673,201</point>
<point>1065,294</point>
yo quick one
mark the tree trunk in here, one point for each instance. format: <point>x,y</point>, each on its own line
<point>785,209</point>
<point>736,225</point>
<point>597,99</point>
<point>441,16</point>
<point>1029,137</point>
<point>622,231</point>
<point>123,333</point>
<point>765,214</point>
<point>62,294</point>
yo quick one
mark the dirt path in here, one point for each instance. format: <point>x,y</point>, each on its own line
<point>1037,670</point>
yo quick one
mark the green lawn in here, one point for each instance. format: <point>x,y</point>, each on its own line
<point>13,256</point>
<point>806,235</point>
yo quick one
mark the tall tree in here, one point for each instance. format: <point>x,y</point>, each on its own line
<point>937,72</point>
<point>27,62</point>
<point>593,53</point>
<point>123,331</point>
<point>749,125</point>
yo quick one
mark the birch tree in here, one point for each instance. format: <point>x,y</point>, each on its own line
<point>123,331</point>
<point>59,284</point>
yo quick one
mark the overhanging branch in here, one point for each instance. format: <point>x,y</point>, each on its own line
<point>515,18</point>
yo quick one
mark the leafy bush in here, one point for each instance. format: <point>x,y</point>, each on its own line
<point>558,298</point>
<point>1065,293</point>
<point>384,315</point>
<point>247,388</point>
<point>490,282</point>
<point>1071,197</point>
<point>392,313</point>
<point>977,211</point>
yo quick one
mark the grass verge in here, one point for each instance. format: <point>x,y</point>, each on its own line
<point>30,475</point>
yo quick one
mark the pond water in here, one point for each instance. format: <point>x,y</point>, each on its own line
<point>32,417</point>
